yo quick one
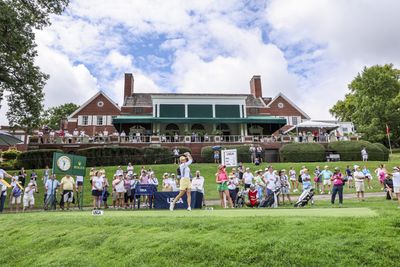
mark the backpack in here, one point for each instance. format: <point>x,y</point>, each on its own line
<point>300,179</point>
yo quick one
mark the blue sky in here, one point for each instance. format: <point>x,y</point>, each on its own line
<point>307,49</point>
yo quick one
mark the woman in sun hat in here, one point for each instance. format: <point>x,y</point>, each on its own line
<point>221,178</point>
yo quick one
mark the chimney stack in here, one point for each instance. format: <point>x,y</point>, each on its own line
<point>128,87</point>
<point>255,86</point>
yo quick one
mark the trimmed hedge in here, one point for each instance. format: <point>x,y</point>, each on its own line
<point>385,150</point>
<point>302,152</point>
<point>111,155</point>
<point>207,153</point>
<point>351,150</point>
<point>36,159</point>
<point>10,154</point>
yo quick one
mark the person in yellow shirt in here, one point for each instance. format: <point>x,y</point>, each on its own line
<point>67,188</point>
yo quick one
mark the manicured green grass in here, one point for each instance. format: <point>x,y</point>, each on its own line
<point>208,170</point>
<point>360,234</point>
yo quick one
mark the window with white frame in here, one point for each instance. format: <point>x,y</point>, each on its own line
<point>295,121</point>
<point>85,120</point>
<point>99,120</point>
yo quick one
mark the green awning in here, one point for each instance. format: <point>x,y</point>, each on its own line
<point>149,119</point>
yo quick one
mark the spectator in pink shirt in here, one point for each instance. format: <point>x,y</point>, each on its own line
<point>337,180</point>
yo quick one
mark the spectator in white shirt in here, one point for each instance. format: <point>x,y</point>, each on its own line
<point>270,179</point>
<point>119,171</point>
<point>198,185</point>
<point>247,178</point>
<point>396,184</point>
<point>359,178</point>
<point>29,199</point>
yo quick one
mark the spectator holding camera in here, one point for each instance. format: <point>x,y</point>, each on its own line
<point>338,182</point>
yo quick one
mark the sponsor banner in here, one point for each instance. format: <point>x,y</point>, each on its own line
<point>229,157</point>
<point>69,164</point>
<point>162,200</point>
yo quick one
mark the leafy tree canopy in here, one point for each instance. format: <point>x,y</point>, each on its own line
<point>53,116</point>
<point>372,103</point>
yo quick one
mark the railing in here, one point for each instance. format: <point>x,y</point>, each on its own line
<point>183,139</point>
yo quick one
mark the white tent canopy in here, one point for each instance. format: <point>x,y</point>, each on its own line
<point>313,125</point>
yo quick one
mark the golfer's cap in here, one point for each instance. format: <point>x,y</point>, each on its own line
<point>233,169</point>
<point>252,186</point>
<point>259,170</point>
<point>166,173</point>
<point>337,169</point>
<point>266,169</point>
<point>395,169</point>
<point>120,175</point>
<point>173,174</point>
<point>135,174</point>
<point>326,166</point>
<point>356,166</point>
<point>247,169</point>
<point>182,158</point>
<point>283,170</point>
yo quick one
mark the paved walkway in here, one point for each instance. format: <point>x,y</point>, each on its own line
<point>319,197</point>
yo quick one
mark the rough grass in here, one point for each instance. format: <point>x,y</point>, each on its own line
<point>130,238</point>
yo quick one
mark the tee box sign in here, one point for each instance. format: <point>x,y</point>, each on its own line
<point>69,164</point>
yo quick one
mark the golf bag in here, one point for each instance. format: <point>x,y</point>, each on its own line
<point>239,201</point>
<point>305,197</point>
<point>271,201</point>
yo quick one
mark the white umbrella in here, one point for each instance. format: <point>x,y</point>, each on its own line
<point>314,125</point>
<point>7,139</point>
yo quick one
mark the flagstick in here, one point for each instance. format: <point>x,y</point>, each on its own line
<point>390,146</point>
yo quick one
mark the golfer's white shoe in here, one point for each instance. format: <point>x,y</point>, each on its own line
<point>171,206</point>
<point>189,208</point>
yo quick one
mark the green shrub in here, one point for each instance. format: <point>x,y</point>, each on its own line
<point>111,155</point>
<point>10,154</point>
<point>8,165</point>
<point>157,155</point>
<point>207,153</point>
<point>351,150</point>
<point>36,159</point>
<point>385,150</point>
<point>302,152</point>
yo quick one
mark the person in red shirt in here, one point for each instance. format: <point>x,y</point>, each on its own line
<point>253,200</point>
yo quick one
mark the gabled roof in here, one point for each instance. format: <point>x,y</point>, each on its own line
<point>90,100</point>
<point>290,102</point>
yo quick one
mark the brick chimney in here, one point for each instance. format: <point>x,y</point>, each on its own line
<point>128,87</point>
<point>255,86</point>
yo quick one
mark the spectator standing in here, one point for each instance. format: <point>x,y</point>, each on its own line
<point>368,176</point>
<point>3,189</point>
<point>34,180</point>
<point>388,183</point>
<point>317,178</point>
<point>326,179</point>
<point>359,178</point>
<point>337,179</point>
<point>29,199</point>
<point>51,187</point>
<point>119,171</point>
<point>16,194</point>
<point>67,188</point>
<point>270,180</point>
<point>240,171</point>
<point>221,178</point>
<point>216,156</point>
<point>306,179</point>
<point>396,184</point>
<point>293,179</point>
<point>22,176</point>
<point>285,186</point>
<point>166,183</point>
<point>364,154</point>
<point>349,174</point>
<point>259,151</point>
<point>198,185</point>
<point>247,178</point>
<point>259,183</point>
<point>176,152</point>
<point>130,169</point>
<point>381,173</point>
<point>252,151</point>
<point>119,186</point>
<point>233,184</point>
<point>97,190</point>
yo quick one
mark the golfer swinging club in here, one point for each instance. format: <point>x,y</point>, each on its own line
<point>185,185</point>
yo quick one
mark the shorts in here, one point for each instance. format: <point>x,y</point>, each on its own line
<point>97,193</point>
<point>396,189</point>
<point>326,182</point>
<point>185,184</point>
<point>222,187</point>
<point>68,196</point>
<point>253,203</point>
<point>120,195</point>
<point>29,200</point>
<point>293,179</point>
<point>79,183</point>
<point>350,178</point>
<point>360,187</point>
<point>16,200</point>
<point>114,196</point>
<point>285,190</point>
<point>246,186</point>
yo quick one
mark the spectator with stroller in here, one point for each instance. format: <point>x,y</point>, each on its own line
<point>338,183</point>
<point>29,198</point>
<point>306,179</point>
<point>326,175</point>
<point>252,199</point>
<point>51,187</point>
<point>396,184</point>
<point>67,188</point>
<point>293,179</point>
<point>221,178</point>
<point>359,178</point>
<point>247,178</point>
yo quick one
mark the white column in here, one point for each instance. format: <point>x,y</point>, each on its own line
<point>241,130</point>
<point>186,110</point>
<point>245,113</point>
<point>213,110</point>
<point>158,110</point>
<point>241,111</point>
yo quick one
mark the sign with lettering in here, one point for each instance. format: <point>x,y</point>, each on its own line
<point>69,164</point>
<point>229,157</point>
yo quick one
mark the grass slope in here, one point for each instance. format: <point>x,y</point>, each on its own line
<point>209,170</point>
<point>287,237</point>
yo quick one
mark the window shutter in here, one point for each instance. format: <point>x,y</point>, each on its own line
<point>109,120</point>
<point>91,120</point>
<point>104,120</point>
<point>79,120</point>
